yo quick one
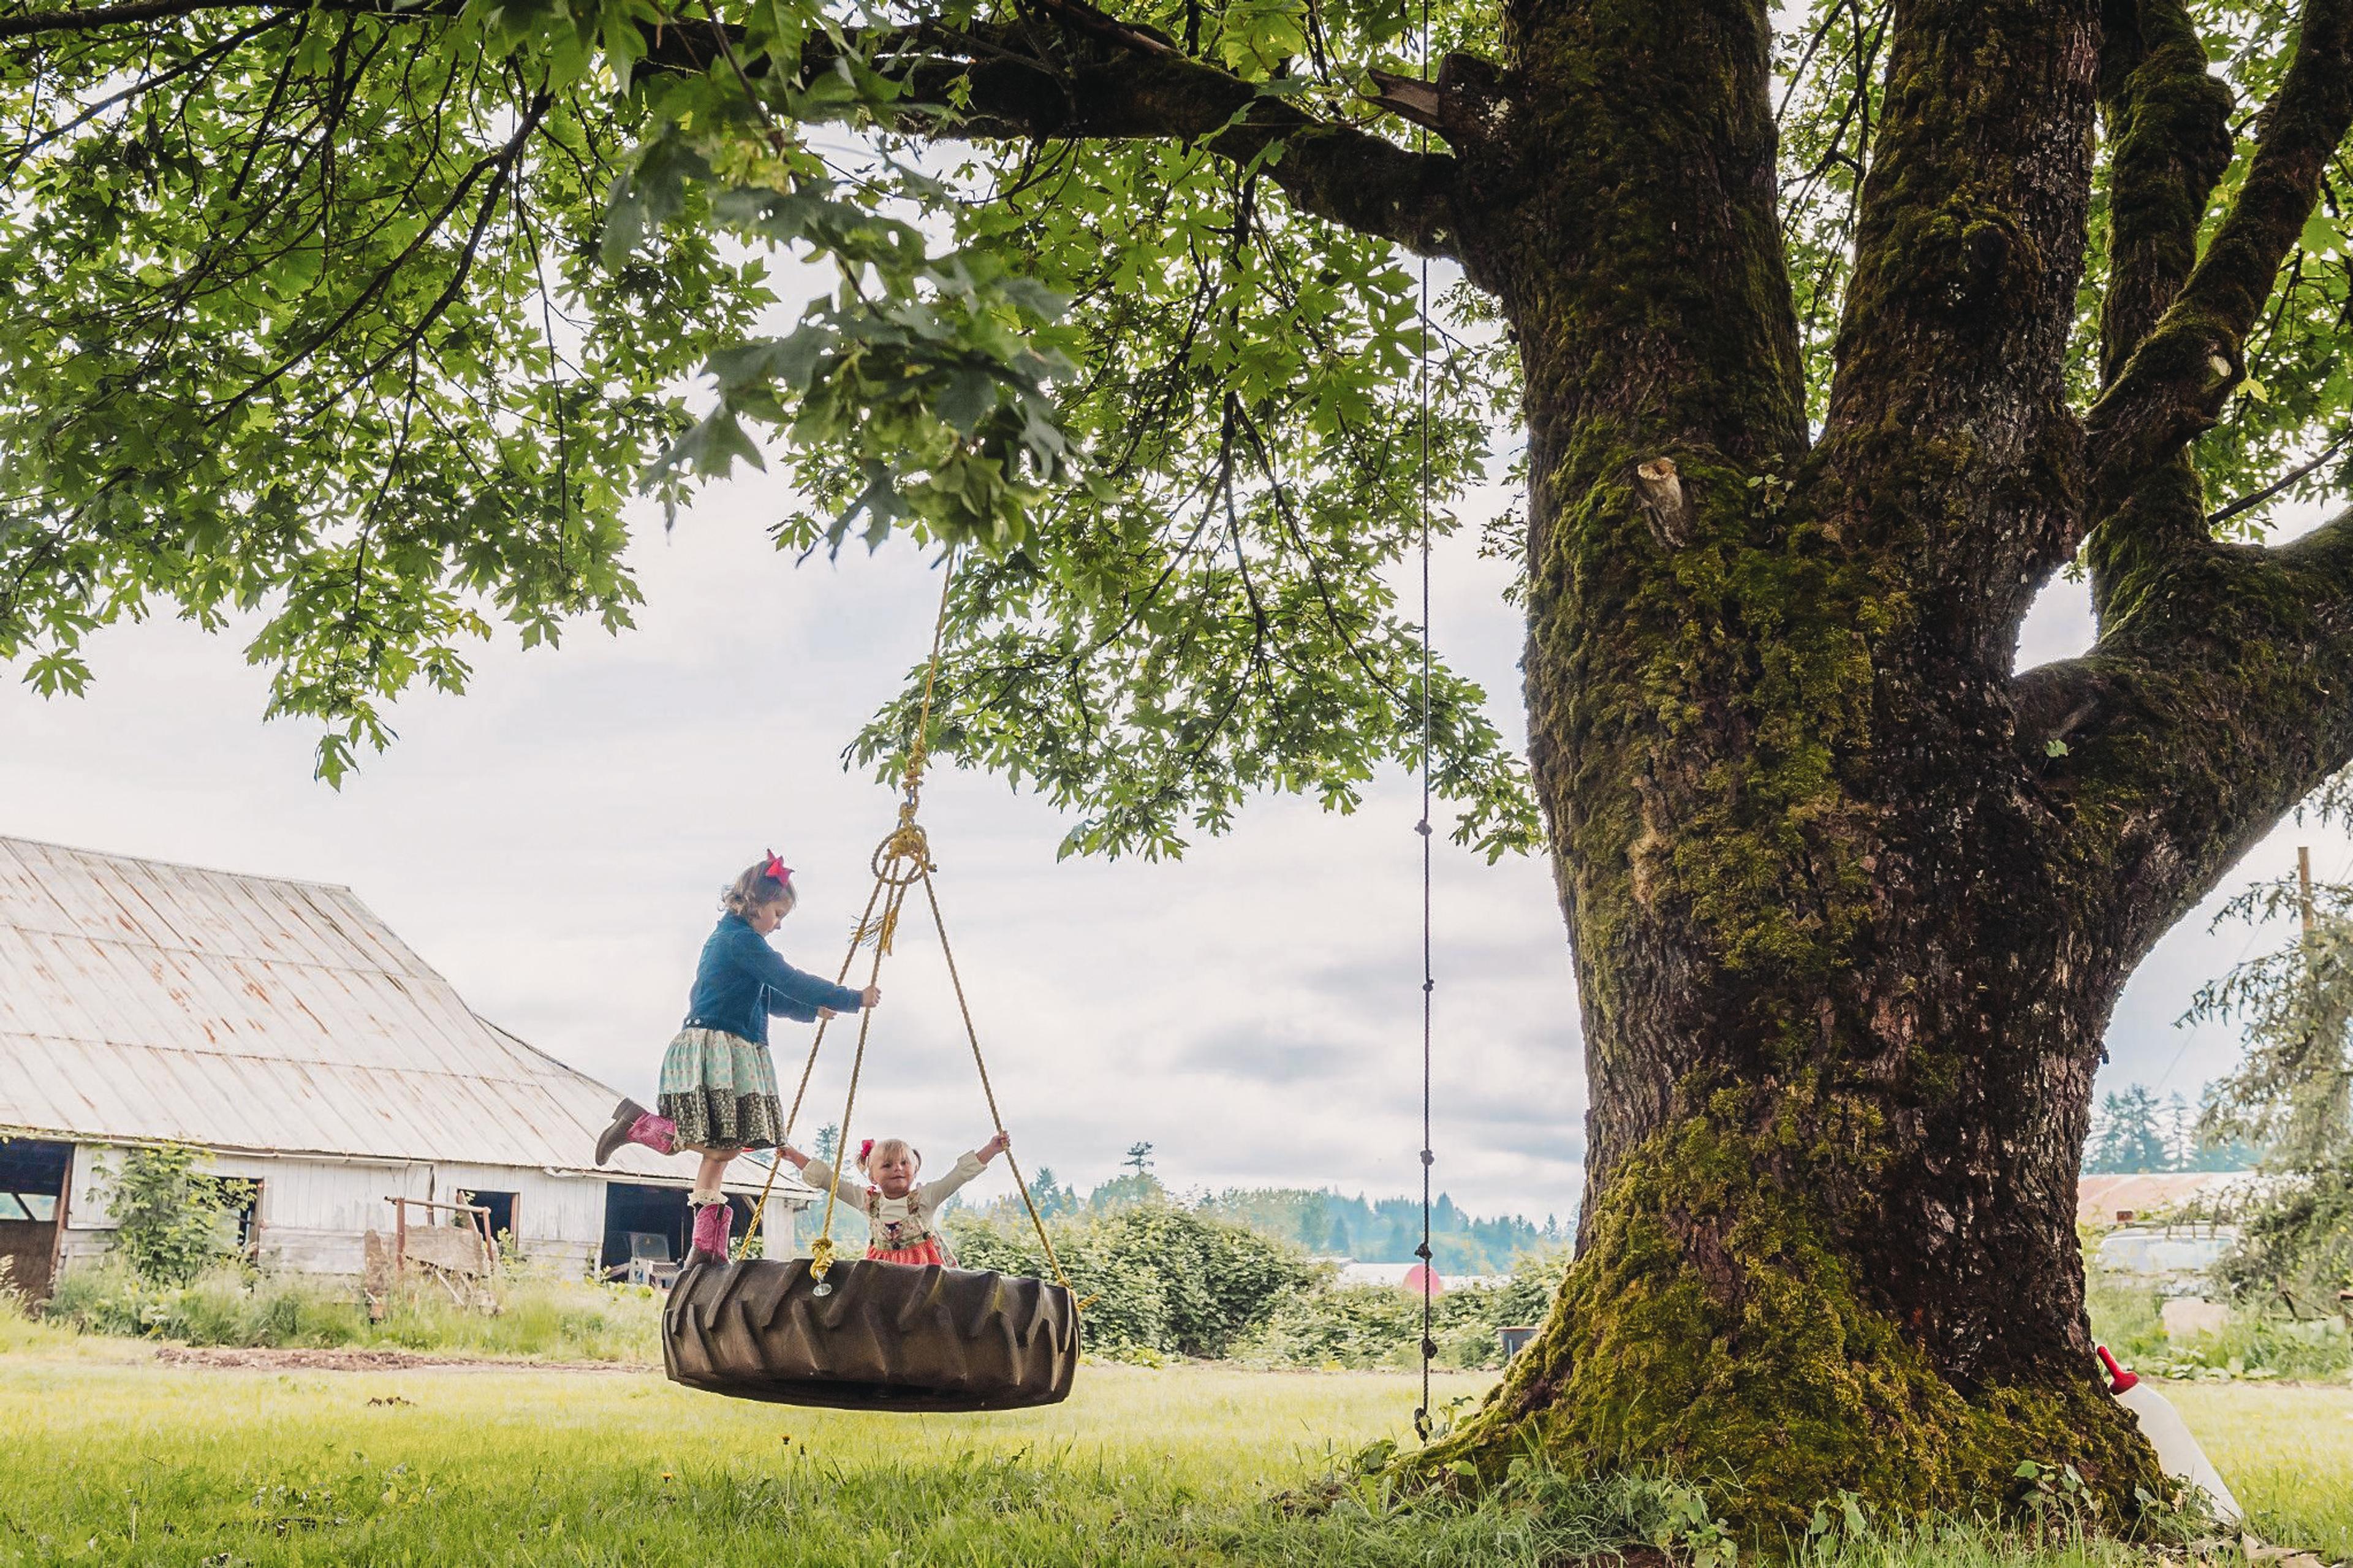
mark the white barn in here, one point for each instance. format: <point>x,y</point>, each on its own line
<point>283,1028</point>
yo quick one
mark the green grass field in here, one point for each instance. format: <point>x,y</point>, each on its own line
<point>107,1458</point>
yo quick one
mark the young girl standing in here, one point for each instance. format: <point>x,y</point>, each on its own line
<point>718,1084</point>
<point>899,1213</point>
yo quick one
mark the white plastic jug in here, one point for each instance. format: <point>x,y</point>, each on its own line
<point>2178,1452</point>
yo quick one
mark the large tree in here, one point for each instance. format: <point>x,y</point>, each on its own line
<point>366,315</point>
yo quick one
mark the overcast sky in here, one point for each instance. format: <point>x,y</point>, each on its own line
<point>553,842</point>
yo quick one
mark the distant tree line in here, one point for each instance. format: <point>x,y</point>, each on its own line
<point>2135,1133</point>
<point>1319,1222</point>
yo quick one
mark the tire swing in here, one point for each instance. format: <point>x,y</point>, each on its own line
<point>854,1333</point>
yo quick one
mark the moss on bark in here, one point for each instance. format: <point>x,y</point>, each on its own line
<point>1714,1327</point>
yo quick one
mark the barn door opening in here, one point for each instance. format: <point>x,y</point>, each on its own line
<point>646,1231</point>
<point>32,1198</point>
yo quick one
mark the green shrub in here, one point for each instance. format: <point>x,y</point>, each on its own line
<point>544,1317</point>
<point>2257,1346</point>
<point>2123,1315</point>
<point>171,1218</point>
<point>1336,1326</point>
<point>2261,1341</point>
<point>2296,1243</point>
<point>1165,1280</point>
<point>233,1305</point>
<point>1358,1326</point>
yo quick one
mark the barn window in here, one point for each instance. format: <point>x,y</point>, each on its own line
<point>500,1218</point>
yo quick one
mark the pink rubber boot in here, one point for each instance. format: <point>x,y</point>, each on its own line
<point>633,1124</point>
<point>713,1224</point>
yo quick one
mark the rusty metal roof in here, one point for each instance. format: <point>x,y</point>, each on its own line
<point>145,1001</point>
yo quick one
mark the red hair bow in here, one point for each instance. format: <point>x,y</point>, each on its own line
<point>865,1150</point>
<point>776,869</point>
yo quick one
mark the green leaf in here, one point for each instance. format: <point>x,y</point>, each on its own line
<point>2322,235</point>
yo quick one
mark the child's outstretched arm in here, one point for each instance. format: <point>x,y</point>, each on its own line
<point>966,1167</point>
<point>792,992</point>
<point>820,1176</point>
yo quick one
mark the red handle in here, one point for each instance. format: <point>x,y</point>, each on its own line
<point>2118,1378</point>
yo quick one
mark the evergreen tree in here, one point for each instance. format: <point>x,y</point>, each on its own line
<point>1052,1199</point>
<point>1336,1238</point>
<point>2127,1137</point>
<point>2292,1091</point>
<point>2181,1137</point>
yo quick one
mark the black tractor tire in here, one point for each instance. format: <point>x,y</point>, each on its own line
<point>888,1336</point>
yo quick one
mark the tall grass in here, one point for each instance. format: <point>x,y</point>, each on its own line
<point>2255,1343</point>
<point>1184,1467</point>
<point>238,1306</point>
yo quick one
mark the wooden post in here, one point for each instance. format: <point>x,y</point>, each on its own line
<point>2303,884</point>
<point>400,1240</point>
<point>64,1213</point>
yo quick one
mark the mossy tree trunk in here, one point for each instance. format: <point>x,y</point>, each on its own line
<point>1849,903</point>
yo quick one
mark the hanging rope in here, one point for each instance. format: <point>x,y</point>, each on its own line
<point>1421,1424</point>
<point>988,1092</point>
<point>903,859</point>
<point>905,834</point>
<point>821,1251</point>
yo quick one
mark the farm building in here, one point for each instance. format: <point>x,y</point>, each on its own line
<point>280,1026</point>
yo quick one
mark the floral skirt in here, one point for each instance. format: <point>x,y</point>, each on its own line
<point>928,1250</point>
<point>720,1089</point>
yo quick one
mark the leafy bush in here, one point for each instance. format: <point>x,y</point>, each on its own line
<point>566,1319</point>
<point>2123,1315</point>
<point>1336,1326</point>
<point>2296,1242</point>
<point>2255,1346</point>
<point>1358,1326</point>
<point>233,1305</point>
<point>2256,1343</point>
<point>1166,1280</point>
<point>171,1218</point>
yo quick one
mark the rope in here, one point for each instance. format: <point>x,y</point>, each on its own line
<point>901,839</point>
<point>1422,1423</point>
<point>821,1251</point>
<point>899,861</point>
<point>988,1092</point>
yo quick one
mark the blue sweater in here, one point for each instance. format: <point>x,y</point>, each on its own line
<point>740,981</point>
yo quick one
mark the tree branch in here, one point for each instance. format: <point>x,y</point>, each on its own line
<point>2249,502</point>
<point>1107,80</point>
<point>2174,384</point>
<point>2168,120</point>
<point>1348,177</point>
<point>2203,716</point>
<point>1947,422</point>
<point>35,24</point>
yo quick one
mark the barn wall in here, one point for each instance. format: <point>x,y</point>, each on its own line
<point>314,1214</point>
<point>780,1228</point>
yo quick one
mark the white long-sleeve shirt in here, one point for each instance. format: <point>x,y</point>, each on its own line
<point>897,1224</point>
